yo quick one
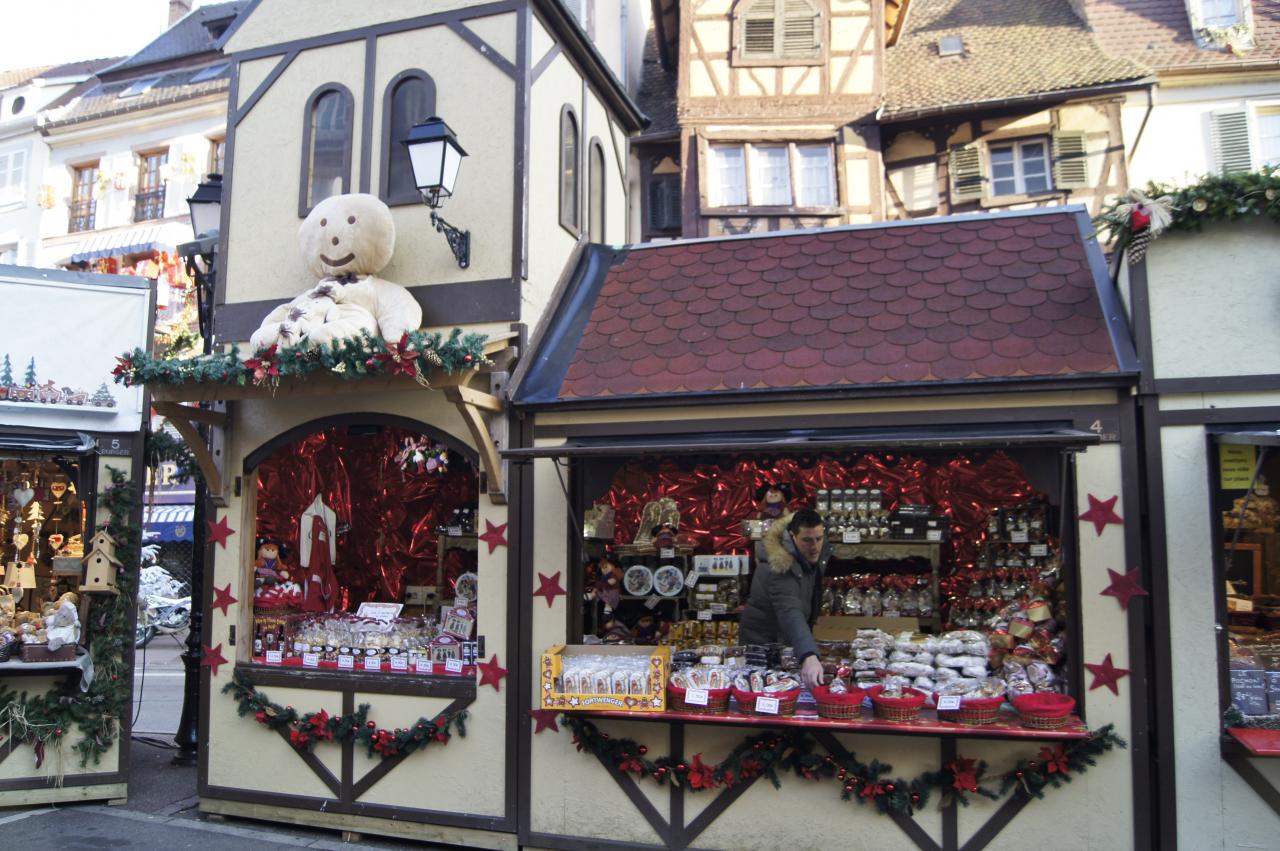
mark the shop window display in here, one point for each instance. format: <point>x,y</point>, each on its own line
<point>946,574</point>
<point>365,554</point>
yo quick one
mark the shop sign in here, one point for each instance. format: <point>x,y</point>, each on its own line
<point>1235,466</point>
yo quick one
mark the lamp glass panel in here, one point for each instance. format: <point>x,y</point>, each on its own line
<point>426,158</point>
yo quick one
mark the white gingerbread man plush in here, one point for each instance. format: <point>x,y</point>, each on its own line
<point>346,241</point>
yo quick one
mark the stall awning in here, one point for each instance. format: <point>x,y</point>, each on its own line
<point>1249,438</point>
<point>169,522</point>
<point>79,444</point>
<point>802,440</point>
<point>129,241</point>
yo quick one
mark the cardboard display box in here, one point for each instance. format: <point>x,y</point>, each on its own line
<point>654,700</point>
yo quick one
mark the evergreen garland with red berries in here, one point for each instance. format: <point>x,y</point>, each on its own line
<point>307,729</point>
<point>769,753</point>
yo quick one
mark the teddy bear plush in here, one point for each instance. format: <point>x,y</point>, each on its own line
<point>345,241</point>
<point>63,626</point>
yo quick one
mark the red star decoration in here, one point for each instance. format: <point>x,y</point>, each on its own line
<point>1106,674</point>
<point>1124,586</point>
<point>222,598</point>
<point>494,536</point>
<point>545,719</point>
<point>1101,512</point>
<point>212,658</point>
<point>220,531</point>
<point>549,587</point>
<point>491,673</point>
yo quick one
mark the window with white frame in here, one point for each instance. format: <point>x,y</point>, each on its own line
<point>13,175</point>
<point>771,174</point>
<point>1219,13</point>
<point>1269,135</point>
<point>1020,167</point>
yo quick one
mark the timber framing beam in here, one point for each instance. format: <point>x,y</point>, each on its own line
<point>184,419</point>
<point>470,404</point>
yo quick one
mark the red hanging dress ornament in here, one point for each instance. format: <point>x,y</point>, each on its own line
<point>316,553</point>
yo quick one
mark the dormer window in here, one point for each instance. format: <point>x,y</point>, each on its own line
<point>778,32</point>
<point>1222,24</point>
<point>1219,13</point>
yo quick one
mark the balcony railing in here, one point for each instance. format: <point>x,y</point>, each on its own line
<point>148,205</point>
<point>82,215</point>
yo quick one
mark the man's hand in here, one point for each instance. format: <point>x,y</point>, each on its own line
<point>811,672</point>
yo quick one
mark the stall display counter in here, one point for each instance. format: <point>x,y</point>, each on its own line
<point>1257,741</point>
<point>1007,727</point>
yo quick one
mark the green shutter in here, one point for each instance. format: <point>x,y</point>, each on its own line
<point>758,29</point>
<point>1230,134</point>
<point>1070,160</point>
<point>966,174</point>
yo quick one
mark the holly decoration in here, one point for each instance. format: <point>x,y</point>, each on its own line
<point>49,719</point>
<point>416,354</point>
<point>773,752</point>
<point>306,729</point>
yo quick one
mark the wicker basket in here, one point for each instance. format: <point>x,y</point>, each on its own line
<point>786,701</point>
<point>42,653</point>
<point>973,710</point>
<point>717,701</point>
<point>843,706</point>
<point>905,708</point>
<point>1044,710</point>
<point>6,650</point>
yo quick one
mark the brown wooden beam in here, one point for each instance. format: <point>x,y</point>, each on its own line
<point>196,443</point>
<point>469,402</point>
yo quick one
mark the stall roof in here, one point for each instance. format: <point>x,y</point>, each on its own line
<point>998,301</point>
<point>80,444</point>
<point>816,440</point>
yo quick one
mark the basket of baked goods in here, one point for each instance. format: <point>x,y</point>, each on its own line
<point>895,702</point>
<point>703,689</point>
<point>1044,710</point>
<point>839,699</point>
<point>967,705</point>
<point>764,692</point>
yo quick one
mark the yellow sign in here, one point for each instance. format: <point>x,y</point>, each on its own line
<point>1236,465</point>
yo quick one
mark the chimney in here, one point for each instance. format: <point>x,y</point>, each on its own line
<point>178,9</point>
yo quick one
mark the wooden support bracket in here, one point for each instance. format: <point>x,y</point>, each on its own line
<point>212,461</point>
<point>470,403</point>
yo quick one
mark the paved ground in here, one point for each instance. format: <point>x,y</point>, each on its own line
<point>161,811</point>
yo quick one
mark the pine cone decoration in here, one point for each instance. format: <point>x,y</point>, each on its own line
<point>1138,246</point>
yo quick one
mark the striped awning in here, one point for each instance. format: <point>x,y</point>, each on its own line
<point>128,241</point>
<point>168,522</point>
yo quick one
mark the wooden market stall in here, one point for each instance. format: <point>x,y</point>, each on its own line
<point>952,396</point>
<point>70,457</point>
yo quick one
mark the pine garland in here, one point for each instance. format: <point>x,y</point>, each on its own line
<point>1233,717</point>
<point>44,720</point>
<point>307,729</point>
<point>162,446</point>
<point>1213,198</point>
<point>769,753</point>
<point>415,354</point>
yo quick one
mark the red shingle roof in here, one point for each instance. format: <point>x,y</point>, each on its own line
<point>1158,33</point>
<point>959,299</point>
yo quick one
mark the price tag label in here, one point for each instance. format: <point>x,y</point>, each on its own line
<point>1240,605</point>
<point>718,608</point>
<point>851,536</point>
<point>696,697</point>
<point>399,663</point>
<point>455,531</point>
<point>1018,536</point>
<point>767,705</point>
<point>691,579</point>
<point>372,663</point>
<point>275,657</point>
<point>453,666</point>
<point>423,666</point>
<point>949,703</point>
<point>346,662</point>
<point>1039,549</point>
<point>933,535</point>
<point>311,660</point>
<point>666,552</point>
<point>704,615</point>
<point>652,601</point>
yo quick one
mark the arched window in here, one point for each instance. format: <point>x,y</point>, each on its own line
<point>410,98</point>
<point>778,31</point>
<point>595,193</point>
<point>570,206</point>
<point>326,145</point>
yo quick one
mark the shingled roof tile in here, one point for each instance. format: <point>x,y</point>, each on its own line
<point>927,319</point>
<point>847,323</point>
<point>1013,346</point>
<point>763,360</point>
<point>1010,313</point>
<point>906,334</point>
<point>827,310</point>
<point>947,333</point>
<point>904,306</point>
<point>989,330</point>
<point>885,322</point>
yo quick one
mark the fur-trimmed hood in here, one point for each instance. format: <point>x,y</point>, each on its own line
<point>780,550</point>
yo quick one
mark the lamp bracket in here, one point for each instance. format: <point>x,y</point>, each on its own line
<point>459,240</point>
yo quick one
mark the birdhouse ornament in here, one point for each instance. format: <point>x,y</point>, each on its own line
<point>101,566</point>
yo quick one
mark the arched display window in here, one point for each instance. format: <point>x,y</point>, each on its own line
<point>364,548</point>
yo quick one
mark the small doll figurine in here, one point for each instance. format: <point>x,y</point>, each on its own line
<point>664,536</point>
<point>646,631</point>
<point>609,584</point>
<point>269,568</point>
<point>773,498</point>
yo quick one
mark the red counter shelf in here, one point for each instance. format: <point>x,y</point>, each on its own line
<point>1007,727</point>
<point>1257,741</point>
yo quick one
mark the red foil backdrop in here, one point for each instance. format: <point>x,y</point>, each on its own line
<point>387,517</point>
<point>713,500</point>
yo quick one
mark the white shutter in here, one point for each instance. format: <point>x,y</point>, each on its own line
<point>965,166</point>
<point>799,29</point>
<point>1070,160</point>
<point>758,29</point>
<point>1229,131</point>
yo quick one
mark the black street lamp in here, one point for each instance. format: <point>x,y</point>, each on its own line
<point>201,258</point>
<point>435,155</point>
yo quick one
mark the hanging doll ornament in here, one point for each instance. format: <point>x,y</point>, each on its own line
<point>317,551</point>
<point>772,498</point>
<point>1147,218</point>
<point>419,455</point>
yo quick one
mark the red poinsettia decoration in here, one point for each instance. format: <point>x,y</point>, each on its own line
<point>964,774</point>
<point>631,764</point>
<point>124,367</point>
<point>319,723</point>
<point>871,790</point>
<point>299,739</point>
<point>399,358</point>
<point>749,768</point>
<point>264,366</point>
<point>260,716</point>
<point>701,775</point>
<point>1055,760</point>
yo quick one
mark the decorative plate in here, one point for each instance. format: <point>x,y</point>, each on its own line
<point>638,580</point>
<point>668,580</point>
<point>467,587</point>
